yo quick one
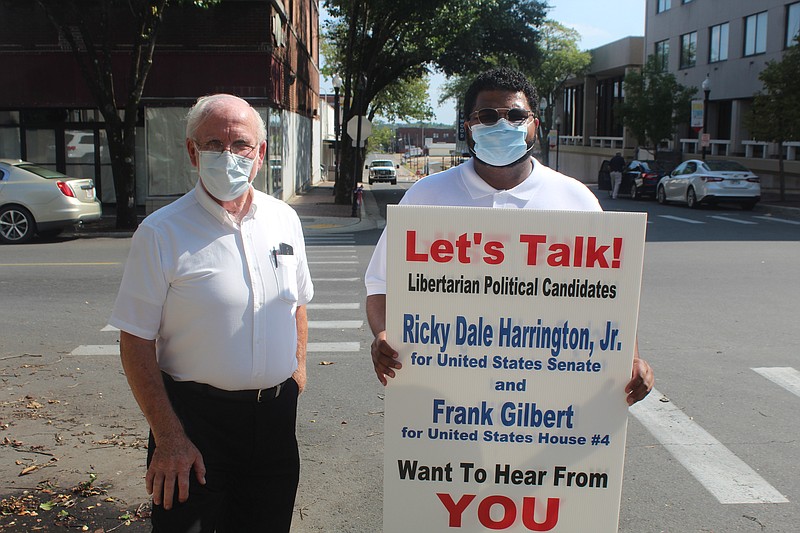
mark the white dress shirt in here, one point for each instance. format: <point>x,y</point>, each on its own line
<point>218,297</point>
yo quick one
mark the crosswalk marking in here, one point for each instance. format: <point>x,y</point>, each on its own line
<point>335,324</point>
<point>334,306</point>
<point>681,219</point>
<point>723,474</point>
<point>729,219</point>
<point>782,220</point>
<point>786,377</point>
<point>109,328</point>
<point>339,347</point>
<point>736,220</point>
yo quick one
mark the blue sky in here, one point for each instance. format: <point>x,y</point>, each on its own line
<point>598,22</point>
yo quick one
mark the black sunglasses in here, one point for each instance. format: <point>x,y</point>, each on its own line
<point>489,116</point>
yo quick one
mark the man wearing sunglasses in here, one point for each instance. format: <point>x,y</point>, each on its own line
<point>501,129</point>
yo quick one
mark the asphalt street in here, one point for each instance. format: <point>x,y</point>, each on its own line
<point>714,449</point>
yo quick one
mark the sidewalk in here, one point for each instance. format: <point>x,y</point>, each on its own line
<point>315,207</point>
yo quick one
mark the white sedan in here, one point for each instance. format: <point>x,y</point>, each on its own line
<point>696,182</point>
<point>35,199</point>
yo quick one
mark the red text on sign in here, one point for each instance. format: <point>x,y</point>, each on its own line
<point>506,517</point>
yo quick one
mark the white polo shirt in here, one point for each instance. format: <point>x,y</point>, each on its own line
<point>218,297</point>
<point>543,189</point>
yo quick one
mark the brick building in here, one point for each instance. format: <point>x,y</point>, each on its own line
<point>266,51</point>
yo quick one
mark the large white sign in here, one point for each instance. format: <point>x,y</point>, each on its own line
<point>516,331</point>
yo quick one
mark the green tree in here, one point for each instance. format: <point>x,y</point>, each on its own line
<point>91,28</point>
<point>561,59</point>
<point>374,43</point>
<point>381,138</point>
<point>775,115</point>
<point>655,103</point>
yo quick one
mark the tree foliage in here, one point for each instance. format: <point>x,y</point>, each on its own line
<point>91,28</point>
<point>775,115</point>
<point>381,138</point>
<point>655,103</point>
<point>561,59</point>
<point>375,44</point>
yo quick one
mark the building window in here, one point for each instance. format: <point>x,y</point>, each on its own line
<point>792,23</point>
<point>662,55</point>
<point>663,5</point>
<point>718,50</point>
<point>688,50</point>
<point>755,34</point>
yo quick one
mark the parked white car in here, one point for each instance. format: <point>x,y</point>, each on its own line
<point>696,182</point>
<point>35,199</point>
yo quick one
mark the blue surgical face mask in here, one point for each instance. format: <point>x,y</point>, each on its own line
<point>226,176</point>
<point>500,144</point>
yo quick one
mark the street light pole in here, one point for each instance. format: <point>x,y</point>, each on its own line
<point>362,84</point>
<point>337,84</point>
<point>558,138</point>
<point>706,91</point>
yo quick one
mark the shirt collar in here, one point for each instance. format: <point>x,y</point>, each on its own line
<point>478,188</point>
<point>216,210</point>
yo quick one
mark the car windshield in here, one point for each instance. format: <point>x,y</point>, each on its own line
<point>382,163</point>
<point>726,166</point>
<point>43,172</point>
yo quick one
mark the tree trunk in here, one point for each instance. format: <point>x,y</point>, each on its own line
<point>121,147</point>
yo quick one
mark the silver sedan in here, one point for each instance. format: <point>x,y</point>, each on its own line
<point>35,199</point>
<point>696,182</point>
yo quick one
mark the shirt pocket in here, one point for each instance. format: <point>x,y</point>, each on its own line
<point>286,276</point>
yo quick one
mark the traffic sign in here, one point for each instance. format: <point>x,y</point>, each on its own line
<point>352,128</point>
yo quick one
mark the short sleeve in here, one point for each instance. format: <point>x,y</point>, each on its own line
<point>144,286</point>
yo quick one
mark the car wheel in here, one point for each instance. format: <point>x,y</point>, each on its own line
<point>691,199</point>
<point>16,225</point>
<point>661,196</point>
<point>394,182</point>
<point>370,181</point>
<point>634,192</point>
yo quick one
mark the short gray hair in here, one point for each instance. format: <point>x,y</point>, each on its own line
<point>206,104</point>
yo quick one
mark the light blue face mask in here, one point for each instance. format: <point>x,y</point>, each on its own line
<point>500,144</point>
<point>226,176</point>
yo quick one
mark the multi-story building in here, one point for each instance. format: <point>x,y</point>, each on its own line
<point>727,42</point>
<point>266,51</point>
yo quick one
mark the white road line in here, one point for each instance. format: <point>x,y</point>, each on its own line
<point>334,306</point>
<point>681,219</point>
<point>787,377</point>
<point>736,220</point>
<point>334,279</point>
<point>773,219</point>
<point>723,474</point>
<point>96,349</point>
<point>335,324</point>
<point>333,347</point>
<point>109,328</point>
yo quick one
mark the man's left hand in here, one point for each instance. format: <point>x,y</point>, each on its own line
<point>641,383</point>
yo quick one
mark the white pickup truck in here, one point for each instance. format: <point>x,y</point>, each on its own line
<point>382,170</point>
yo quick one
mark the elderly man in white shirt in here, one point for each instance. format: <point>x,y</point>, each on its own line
<point>501,130</point>
<point>213,325</point>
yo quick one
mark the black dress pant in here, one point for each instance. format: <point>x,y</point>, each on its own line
<point>252,464</point>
